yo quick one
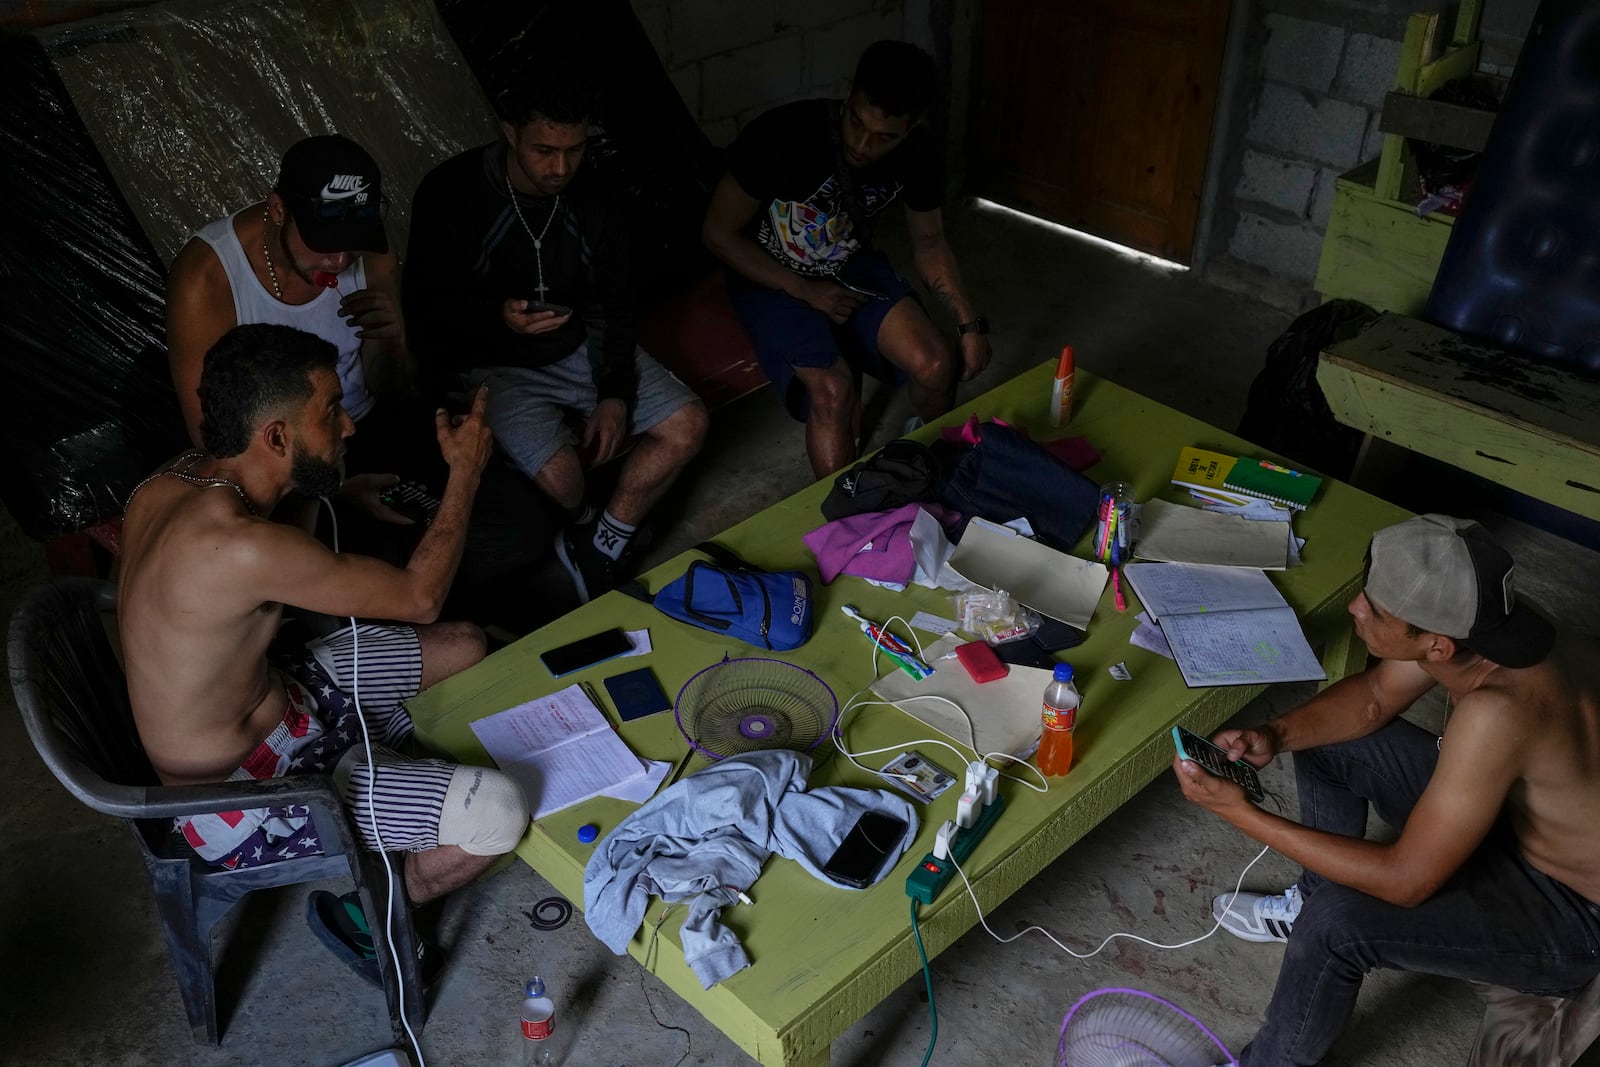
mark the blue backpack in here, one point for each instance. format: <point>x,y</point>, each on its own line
<point>767,609</point>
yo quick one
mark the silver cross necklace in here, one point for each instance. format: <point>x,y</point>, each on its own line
<point>538,239</point>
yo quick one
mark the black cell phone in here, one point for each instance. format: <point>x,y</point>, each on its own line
<point>540,305</point>
<point>860,856</point>
<point>1191,746</point>
<point>564,659</point>
<point>412,500</point>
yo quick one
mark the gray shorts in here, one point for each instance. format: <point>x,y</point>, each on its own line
<point>527,405</point>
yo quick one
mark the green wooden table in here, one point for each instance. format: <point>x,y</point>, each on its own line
<point>822,957</point>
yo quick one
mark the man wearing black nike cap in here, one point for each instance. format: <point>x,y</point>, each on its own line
<point>1495,873</point>
<point>313,255</point>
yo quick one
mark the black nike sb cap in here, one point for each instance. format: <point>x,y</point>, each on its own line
<point>334,194</point>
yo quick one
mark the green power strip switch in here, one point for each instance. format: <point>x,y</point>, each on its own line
<point>931,876</point>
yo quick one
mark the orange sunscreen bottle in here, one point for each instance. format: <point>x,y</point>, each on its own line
<point>1061,393</point>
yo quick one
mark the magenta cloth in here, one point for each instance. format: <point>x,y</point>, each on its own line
<point>1075,452</point>
<point>841,546</point>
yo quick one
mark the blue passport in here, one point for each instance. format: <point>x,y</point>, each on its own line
<point>637,694</point>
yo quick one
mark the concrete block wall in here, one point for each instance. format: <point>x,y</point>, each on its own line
<point>1314,78</point>
<point>1313,116</point>
<point>733,59</point>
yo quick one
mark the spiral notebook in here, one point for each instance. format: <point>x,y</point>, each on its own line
<point>1207,472</point>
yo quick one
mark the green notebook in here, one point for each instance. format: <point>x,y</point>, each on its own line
<point>1268,481</point>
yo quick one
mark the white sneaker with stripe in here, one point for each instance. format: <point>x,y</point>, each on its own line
<point>1256,916</point>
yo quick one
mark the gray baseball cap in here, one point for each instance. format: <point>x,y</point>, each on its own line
<point>1449,576</point>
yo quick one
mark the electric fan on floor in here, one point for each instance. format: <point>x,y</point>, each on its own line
<point>1132,1028</point>
<point>746,705</point>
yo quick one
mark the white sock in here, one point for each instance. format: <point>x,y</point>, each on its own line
<point>611,535</point>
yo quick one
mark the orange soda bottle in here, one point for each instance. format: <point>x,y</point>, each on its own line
<point>1059,718</point>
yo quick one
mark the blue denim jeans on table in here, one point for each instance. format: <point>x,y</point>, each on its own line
<point>1497,920</point>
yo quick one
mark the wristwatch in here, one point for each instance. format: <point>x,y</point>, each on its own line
<point>979,325</point>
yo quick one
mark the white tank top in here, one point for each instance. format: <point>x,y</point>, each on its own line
<point>252,303</point>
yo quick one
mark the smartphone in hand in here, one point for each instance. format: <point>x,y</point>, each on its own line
<point>535,306</point>
<point>411,499</point>
<point>871,294</point>
<point>1191,746</point>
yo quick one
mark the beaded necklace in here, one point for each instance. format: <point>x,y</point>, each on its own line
<point>538,239</point>
<point>181,473</point>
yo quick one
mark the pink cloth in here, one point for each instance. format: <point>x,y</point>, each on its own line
<point>1075,452</point>
<point>874,544</point>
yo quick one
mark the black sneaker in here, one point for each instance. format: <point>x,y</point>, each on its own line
<point>591,570</point>
<point>341,925</point>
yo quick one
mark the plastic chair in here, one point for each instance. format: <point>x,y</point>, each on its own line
<point>70,689</point>
<point>1527,1030</point>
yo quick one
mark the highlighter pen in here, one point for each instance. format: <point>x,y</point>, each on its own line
<point>1281,470</point>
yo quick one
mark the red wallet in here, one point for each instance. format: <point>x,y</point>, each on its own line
<point>980,661</point>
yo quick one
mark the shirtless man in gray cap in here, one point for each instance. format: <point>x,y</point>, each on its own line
<point>1495,873</point>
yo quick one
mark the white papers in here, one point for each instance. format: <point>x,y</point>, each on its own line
<point>1050,582</point>
<point>560,749</point>
<point>934,624</point>
<point>640,640</point>
<point>932,551</point>
<point>1175,533</point>
<point>639,790</point>
<point>1148,636</point>
<point>1004,713</point>
<point>1226,625</point>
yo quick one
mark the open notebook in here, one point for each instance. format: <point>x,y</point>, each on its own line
<point>1225,625</point>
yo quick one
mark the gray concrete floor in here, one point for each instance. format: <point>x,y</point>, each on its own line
<point>87,978</point>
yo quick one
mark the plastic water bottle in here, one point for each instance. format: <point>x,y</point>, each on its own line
<point>538,1023</point>
<point>1060,718</point>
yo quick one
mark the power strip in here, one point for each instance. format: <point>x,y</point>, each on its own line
<point>931,876</point>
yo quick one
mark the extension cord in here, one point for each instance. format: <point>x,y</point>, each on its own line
<point>931,876</point>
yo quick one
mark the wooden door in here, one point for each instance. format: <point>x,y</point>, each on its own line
<point>1097,113</point>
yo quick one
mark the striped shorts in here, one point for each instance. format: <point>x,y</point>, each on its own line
<point>321,734</point>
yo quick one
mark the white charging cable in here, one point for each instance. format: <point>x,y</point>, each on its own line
<point>372,813</point>
<point>854,701</point>
<point>1109,937</point>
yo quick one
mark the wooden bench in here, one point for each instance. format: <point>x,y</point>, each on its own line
<point>1530,425</point>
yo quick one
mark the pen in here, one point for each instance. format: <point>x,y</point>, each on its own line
<point>1281,470</point>
<point>682,765</point>
<point>594,698</point>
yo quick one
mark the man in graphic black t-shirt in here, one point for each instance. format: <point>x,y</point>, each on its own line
<point>792,218</point>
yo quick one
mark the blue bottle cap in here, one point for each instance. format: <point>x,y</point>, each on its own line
<point>588,832</point>
<point>1063,672</point>
<point>535,988</point>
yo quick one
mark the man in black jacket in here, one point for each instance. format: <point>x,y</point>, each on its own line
<point>518,280</point>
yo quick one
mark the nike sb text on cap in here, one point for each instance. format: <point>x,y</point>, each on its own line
<point>1448,576</point>
<point>334,194</point>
